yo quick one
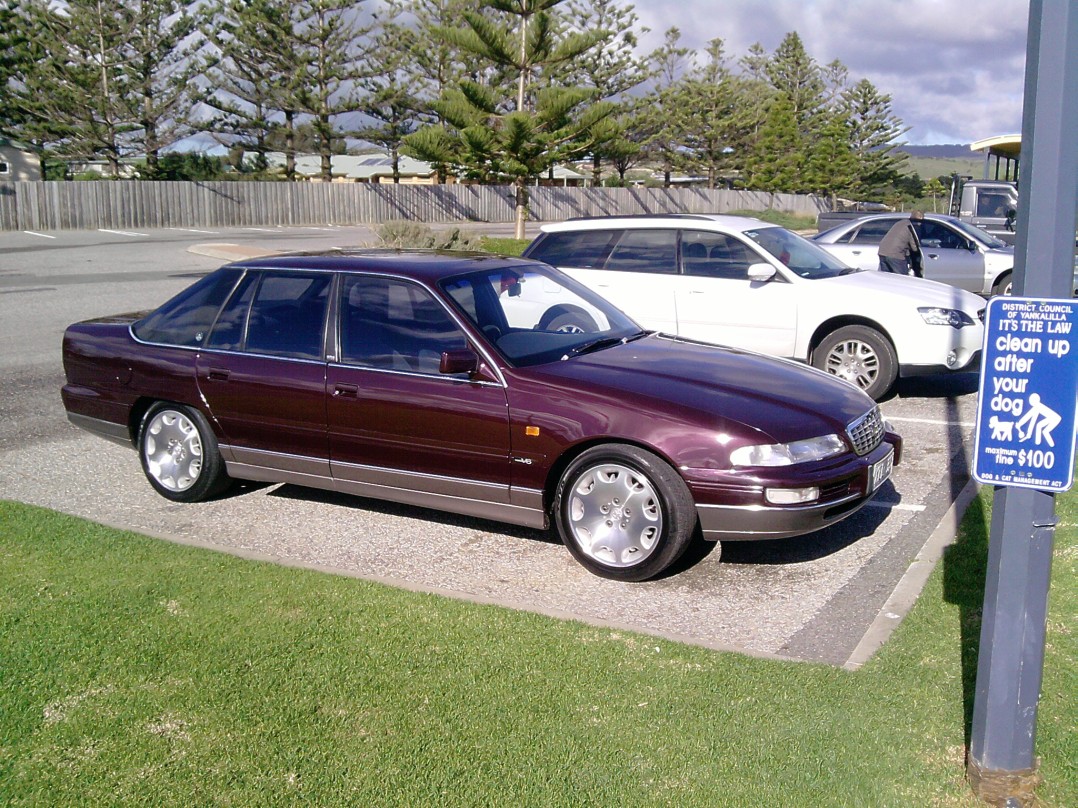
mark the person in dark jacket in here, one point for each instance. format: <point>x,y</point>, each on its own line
<point>900,250</point>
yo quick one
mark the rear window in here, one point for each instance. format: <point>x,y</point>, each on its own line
<point>186,319</point>
<point>584,249</point>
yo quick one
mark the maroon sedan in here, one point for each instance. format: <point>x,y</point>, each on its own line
<point>460,382</point>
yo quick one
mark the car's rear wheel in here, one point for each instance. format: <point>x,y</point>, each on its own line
<point>624,513</point>
<point>179,454</point>
<point>860,355</point>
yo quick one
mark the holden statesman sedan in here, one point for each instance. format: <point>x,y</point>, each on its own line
<point>425,378</point>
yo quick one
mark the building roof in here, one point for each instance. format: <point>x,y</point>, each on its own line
<point>354,166</point>
<point>1003,145</point>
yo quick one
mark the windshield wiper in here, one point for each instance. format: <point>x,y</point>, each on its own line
<point>604,342</point>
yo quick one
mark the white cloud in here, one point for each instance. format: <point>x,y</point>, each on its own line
<point>954,69</point>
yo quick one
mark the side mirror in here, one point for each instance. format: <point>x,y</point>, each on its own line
<point>1012,216</point>
<point>458,361</point>
<point>761,272</point>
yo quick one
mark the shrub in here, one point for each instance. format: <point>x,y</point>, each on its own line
<point>409,235</point>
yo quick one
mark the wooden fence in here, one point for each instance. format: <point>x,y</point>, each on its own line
<point>130,204</point>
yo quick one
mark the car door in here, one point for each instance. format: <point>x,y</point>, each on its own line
<point>394,420</point>
<point>717,302</point>
<point>950,257</point>
<point>262,371</point>
<point>859,247</point>
<point>636,275</point>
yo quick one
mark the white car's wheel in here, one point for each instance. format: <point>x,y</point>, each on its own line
<point>860,355</point>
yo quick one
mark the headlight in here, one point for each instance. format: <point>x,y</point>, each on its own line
<point>786,454</point>
<point>952,317</point>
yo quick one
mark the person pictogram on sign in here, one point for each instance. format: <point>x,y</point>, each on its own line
<point>1041,420</point>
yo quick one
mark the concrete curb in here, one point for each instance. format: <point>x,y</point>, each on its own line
<point>908,589</point>
<point>230,252</point>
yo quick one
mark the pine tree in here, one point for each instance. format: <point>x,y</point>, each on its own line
<point>251,77</point>
<point>874,129</point>
<point>488,133</point>
<point>330,47</point>
<point>779,159</point>
<point>161,66</point>
<point>611,68</point>
<point>660,114</point>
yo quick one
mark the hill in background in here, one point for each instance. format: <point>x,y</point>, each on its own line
<point>942,160</point>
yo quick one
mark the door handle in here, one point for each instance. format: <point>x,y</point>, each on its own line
<point>345,390</point>
<point>219,375</point>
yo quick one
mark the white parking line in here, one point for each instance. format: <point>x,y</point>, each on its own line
<point>896,506</point>
<point>121,232</point>
<point>193,230</point>
<point>264,229</point>
<point>928,421</point>
<point>39,235</point>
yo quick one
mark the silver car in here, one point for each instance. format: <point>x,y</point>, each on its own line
<point>955,252</point>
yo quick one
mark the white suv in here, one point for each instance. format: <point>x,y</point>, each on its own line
<point>746,283</point>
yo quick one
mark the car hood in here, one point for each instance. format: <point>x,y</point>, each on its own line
<point>917,291</point>
<point>670,376</point>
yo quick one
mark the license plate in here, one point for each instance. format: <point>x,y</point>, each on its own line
<point>881,471</point>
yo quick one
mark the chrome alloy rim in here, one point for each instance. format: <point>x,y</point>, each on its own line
<point>173,450</point>
<point>854,361</point>
<point>569,328</point>
<point>615,515</point>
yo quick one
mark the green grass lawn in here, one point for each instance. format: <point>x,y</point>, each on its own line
<point>138,672</point>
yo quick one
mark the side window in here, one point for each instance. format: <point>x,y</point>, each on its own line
<point>872,232</point>
<point>394,325</point>
<point>992,205</point>
<point>186,318</point>
<point>938,234</point>
<point>645,251</point>
<point>288,315</point>
<point>231,326</point>
<point>715,255</point>
<point>584,249</point>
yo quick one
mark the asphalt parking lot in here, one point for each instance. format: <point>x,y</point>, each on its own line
<point>830,597</point>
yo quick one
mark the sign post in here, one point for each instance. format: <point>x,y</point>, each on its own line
<point>1001,766</point>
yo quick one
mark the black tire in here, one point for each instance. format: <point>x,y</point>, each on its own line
<point>179,454</point>
<point>570,322</point>
<point>645,515</point>
<point>861,356</point>
<point>1003,284</point>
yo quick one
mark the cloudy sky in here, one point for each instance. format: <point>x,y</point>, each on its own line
<point>953,68</point>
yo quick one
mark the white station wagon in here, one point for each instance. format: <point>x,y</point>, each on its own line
<point>746,283</point>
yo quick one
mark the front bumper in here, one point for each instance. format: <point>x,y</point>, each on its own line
<point>739,511</point>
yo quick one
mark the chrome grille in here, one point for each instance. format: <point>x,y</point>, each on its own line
<point>866,432</point>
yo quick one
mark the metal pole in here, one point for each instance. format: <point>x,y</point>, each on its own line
<point>1002,767</point>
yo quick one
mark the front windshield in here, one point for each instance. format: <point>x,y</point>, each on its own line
<point>977,234</point>
<point>533,314</point>
<point>801,256</point>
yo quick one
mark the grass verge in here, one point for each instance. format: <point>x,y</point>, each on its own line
<point>134,671</point>
<point>504,246</point>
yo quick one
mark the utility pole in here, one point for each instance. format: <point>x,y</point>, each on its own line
<point>1002,768</point>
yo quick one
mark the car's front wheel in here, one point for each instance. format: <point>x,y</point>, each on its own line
<point>624,513</point>
<point>179,454</point>
<point>860,355</point>
<point>568,321</point>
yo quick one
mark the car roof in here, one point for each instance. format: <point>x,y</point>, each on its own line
<point>426,265</point>
<point>939,217</point>
<point>692,221</point>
